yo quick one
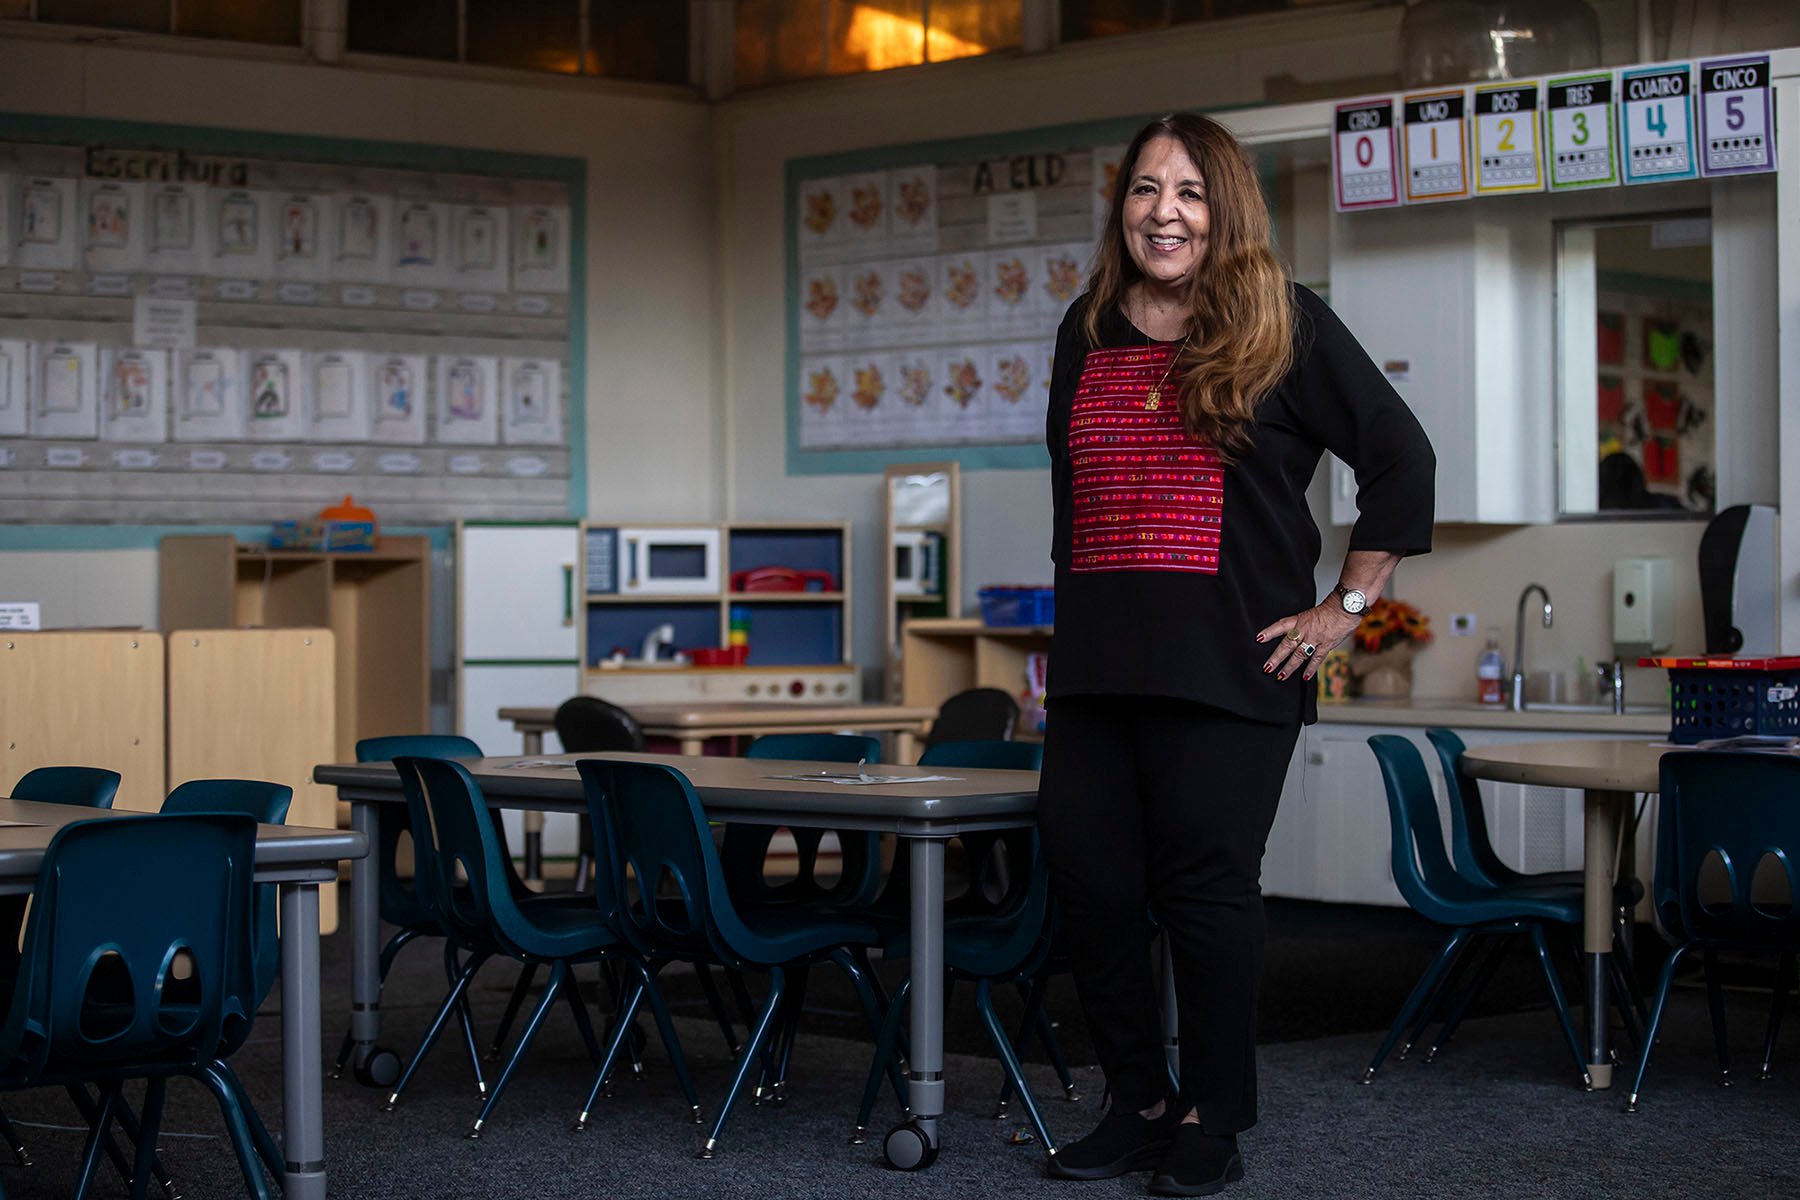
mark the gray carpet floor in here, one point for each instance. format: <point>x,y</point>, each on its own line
<point>1500,1114</point>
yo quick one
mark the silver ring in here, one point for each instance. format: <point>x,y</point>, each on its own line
<point>1308,649</point>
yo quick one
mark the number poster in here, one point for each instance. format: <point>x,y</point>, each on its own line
<point>1656,129</point>
<point>1578,132</point>
<point>1436,167</point>
<point>1507,155</point>
<point>1362,155</point>
<point>1737,134</point>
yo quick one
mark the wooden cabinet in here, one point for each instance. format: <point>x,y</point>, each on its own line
<point>376,603</point>
<point>945,656</point>
<point>921,571</point>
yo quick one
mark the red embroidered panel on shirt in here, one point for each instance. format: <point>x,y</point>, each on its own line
<point>1147,496</point>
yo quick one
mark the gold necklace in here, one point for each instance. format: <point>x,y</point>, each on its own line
<point>1154,399</point>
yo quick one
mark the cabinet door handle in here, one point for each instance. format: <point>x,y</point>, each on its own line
<point>568,570</point>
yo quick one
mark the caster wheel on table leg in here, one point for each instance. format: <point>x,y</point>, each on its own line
<point>908,1149</point>
<point>379,1069</point>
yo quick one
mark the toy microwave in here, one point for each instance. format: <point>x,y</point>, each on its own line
<point>670,562</point>
<point>918,558</point>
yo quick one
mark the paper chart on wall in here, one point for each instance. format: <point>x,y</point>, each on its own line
<point>962,304</point>
<point>242,233</point>
<point>912,210</point>
<point>865,207</point>
<point>915,398</point>
<point>1015,398</point>
<point>532,409</point>
<point>397,390</point>
<point>911,307</point>
<point>479,248</point>
<point>868,295</point>
<point>822,224</point>
<point>15,386</point>
<point>208,395</point>
<point>340,396</point>
<point>361,237</point>
<point>7,183</point>
<point>867,381</point>
<point>67,384</point>
<point>822,319</point>
<point>822,401</point>
<point>540,248</point>
<point>134,395</point>
<point>964,384</point>
<point>1060,275</point>
<point>275,395</point>
<point>113,225</point>
<point>1011,280</point>
<point>48,227</point>
<point>1108,161</point>
<point>174,223</point>
<point>302,236</point>
<point>468,391</point>
<point>421,242</point>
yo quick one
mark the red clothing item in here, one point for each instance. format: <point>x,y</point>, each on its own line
<point>1146,496</point>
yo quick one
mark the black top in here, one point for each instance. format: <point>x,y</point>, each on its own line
<point>1192,635</point>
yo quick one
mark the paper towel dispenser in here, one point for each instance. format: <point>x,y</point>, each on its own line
<point>1643,606</point>
<point>1737,580</point>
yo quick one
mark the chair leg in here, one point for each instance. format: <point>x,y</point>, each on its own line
<point>514,1002</point>
<point>716,1002</point>
<point>244,1129</point>
<point>759,1036</point>
<point>862,980</point>
<point>1784,978</point>
<point>665,1027</point>
<point>452,1003</point>
<point>789,1030</point>
<point>220,1075</point>
<point>748,1008</point>
<point>559,976</point>
<point>1624,999</point>
<point>1559,1002</point>
<point>885,1044</point>
<point>984,1004</point>
<point>620,1036</point>
<point>584,1025</point>
<point>1663,984</point>
<point>1715,1002</point>
<point>149,1125</point>
<point>1626,956</point>
<point>99,1138</point>
<point>1447,955</point>
<point>1484,975</point>
<point>464,1015</point>
<point>1047,1038</point>
<point>90,1112</point>
<point>13,1141</point>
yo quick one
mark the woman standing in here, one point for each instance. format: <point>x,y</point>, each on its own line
<point>1194,391</point>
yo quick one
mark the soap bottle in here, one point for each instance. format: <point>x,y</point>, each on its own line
<point>1490,668</point>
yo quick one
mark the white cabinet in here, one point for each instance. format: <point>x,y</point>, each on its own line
<point>517,595</point>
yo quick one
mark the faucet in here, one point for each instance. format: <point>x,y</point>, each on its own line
<point>1612,679</point>
<point>655,640</point>
<point>1517,700</point>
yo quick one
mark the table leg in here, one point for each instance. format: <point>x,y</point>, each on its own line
<point>302,1054</point>
<point>1600,844</point>
<point>534,820</point>
<point>906,747</point>
<point>925,1074</point>
<point>365,948</point>
<point>693,745</point>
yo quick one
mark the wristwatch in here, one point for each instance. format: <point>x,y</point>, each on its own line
<point>1352,600</point>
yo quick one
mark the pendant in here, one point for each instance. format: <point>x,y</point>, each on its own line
<point>1154,399</point>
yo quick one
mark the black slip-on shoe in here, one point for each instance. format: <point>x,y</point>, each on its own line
<point>1122,1142</point>
<point>1197,1163</point>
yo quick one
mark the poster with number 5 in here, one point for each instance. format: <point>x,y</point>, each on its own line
<point>1737,136</point>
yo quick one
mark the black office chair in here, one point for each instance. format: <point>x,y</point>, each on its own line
<point>589,725</point>
<point>982,714</point>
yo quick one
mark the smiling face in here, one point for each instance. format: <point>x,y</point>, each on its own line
<point>1165,219</point>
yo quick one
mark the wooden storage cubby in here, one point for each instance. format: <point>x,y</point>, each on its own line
<point>945,656</point>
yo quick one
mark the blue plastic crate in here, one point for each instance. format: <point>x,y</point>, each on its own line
<point>1728,697</point>
<point>1004,605</point>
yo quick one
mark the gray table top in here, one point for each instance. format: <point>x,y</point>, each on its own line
<point>745,788</point>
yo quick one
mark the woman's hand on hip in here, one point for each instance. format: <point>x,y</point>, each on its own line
<point>1302,639</point>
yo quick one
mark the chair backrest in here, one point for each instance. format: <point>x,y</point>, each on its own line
<point>1422,868</point>
<point>100,991</point>
<point>658,837</point>
<point>589,725</point>
<point>399,900</point>
<point>817,747</point>
<point>267,804</point>
<point>985,753</point>
<point>978,714</point>
<point>88,787</point>
<point>1743,807</point>
<point>1470,847</point>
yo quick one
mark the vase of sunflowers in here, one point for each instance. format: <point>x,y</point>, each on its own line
<point>1383,645</point>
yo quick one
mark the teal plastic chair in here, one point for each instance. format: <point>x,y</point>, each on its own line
<point>455,841</point>
<point>1740,812</point>
<point>745,848</point>
<point>97,999</point>
<point>87,787</point>
<point>656,831</point>
<point>1473,912</point>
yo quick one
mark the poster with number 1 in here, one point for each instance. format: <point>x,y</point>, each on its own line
<point>1363,158</point>
<point>1656,127</point>
<point>1436,167</point>
<point>1578,132</point>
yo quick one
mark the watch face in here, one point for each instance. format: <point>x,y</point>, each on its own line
<point>1354,601</point>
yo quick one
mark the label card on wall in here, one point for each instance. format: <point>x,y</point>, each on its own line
<point>1578,131</point>
<point>1508,157</point>
<point>1362,155</point>
<point>1737,135</point>
<point>1436,168</point>
<point>1656,128</point>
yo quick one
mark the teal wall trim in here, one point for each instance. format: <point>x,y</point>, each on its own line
<point>148,537</point>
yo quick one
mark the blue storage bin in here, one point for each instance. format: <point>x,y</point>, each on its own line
<point>1729,697</point>
<point>1008,605</point>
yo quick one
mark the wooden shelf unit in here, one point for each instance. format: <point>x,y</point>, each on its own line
<point>945,655</point>
<point>376,603</point>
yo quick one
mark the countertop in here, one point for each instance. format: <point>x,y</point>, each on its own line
<point>1459,713</point>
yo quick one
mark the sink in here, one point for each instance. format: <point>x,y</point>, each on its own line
<point>1547,706</point>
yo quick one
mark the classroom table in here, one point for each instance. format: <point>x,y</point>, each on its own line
<point>691,724</point>
<point>1609,771</point>
<point>923,815</point>
<point>299,860</point>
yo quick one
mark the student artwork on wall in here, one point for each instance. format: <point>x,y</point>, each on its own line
<point>360,231</point>
<point>531,412</point>
<point>174,229</point>
<point>242,233</point>
<point>15,387</point>
<point>66,381</point>
<point>275,396</point>
<point>468,393</point>
<point>48,227</point>
<point>540,248</point>
<point>479,248</point>
<point>113,237</point>
<point>397,392</point>
<point>6,211</point>
<point>302,233</point>
<point>208,395</point>
<point>421,242</point>
<point>339,411</point>
<point>134,395</point>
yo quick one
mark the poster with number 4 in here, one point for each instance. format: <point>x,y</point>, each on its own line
<point>1736,135</point>
<point>1656,127</point>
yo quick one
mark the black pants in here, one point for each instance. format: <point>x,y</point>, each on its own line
<point>1147,802</point>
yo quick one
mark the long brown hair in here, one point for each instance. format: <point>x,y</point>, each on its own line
<point>1240,308</point>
